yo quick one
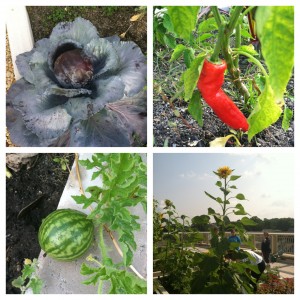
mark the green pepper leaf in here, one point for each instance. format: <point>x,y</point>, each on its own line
<point>275,29</point>
<point>184,20</point>
<point>191,76</point>
<point>287,116</point>
<point>179,49</point>
<point>195,108</point>
<point>265,112</point>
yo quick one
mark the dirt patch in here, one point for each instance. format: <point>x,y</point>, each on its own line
<point>44,180</point>
<point>109,20</point>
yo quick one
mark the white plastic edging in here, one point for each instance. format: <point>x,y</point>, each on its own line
<point>19,33</point>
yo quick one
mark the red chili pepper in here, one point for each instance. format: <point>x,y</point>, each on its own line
<point>210,85</point>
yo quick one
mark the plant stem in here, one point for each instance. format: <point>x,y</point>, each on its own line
<point>220,23</point>
<point>237,43</point>
<point>218,46</point>
<point>234,18</point>
<point>254,60</point>
<point>102,245</point>
<point>217,15</point>
<point>247,11</point>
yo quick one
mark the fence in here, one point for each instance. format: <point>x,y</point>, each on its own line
<point>283,242</point>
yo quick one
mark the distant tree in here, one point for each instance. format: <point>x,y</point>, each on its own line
<point>200,223</point>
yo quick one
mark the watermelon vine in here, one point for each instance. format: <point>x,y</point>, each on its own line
<point>124,182</point>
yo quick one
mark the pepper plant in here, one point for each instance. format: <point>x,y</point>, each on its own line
<point>263,35</point>
<point>124,184</point>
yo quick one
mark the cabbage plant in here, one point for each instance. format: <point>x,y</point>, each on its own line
<point>79,89</point>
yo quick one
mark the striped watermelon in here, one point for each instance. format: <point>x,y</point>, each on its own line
<point>66,234</point>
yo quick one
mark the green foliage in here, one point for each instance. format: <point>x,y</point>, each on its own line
<point>184,20</point>
<point>275,28</point>
<point>171,238</point>
<point>214,272</point>
<point>29,278</point>
<point>110,10</point>
<point>63,161</point>
<point>195,108</point>
<point>124,184</point>
<point>265,113</point>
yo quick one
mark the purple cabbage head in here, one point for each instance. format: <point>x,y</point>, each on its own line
<point>79,90</point>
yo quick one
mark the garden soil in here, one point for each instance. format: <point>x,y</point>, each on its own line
<point>37,187</point>
<point>109,20</point>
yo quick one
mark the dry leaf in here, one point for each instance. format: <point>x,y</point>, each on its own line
<point>122,36</point>
<point>136,17</point>
<point>221,141</point>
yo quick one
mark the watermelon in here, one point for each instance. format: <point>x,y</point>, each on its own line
<point>66,234</point>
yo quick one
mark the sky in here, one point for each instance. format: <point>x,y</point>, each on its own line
<point>267,182</point>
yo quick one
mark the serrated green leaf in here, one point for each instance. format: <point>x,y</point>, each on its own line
<point>265,112</point>
<point>191,76</point>
<point>287,116</point>
<point>275,29</point>
<point>195,108</point>
<point>184,20</point>
<point>27,271</point>
<point>87,270</point>
<point>36,285</point>
<point>177,52</point>
<point>18,283</point>
<point>240,197</point>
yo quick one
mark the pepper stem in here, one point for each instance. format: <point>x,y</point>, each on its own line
<point>219,21</point>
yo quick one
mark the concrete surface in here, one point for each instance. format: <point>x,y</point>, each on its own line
<point>19,33</point>
<point>64,277</point>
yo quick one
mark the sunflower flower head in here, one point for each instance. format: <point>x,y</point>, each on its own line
<point>224,172</point>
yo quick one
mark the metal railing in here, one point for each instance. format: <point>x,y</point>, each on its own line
<point>283,242</point>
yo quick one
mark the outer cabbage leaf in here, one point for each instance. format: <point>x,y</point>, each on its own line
<point>133,68</point>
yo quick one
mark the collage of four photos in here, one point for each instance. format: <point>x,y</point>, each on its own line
<point>119,179</point>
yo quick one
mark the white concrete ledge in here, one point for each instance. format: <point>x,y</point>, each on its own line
<point>19,33</point>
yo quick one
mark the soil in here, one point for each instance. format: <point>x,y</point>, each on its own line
<point>109,20</point>
<point>44,183</point>
<point>173,131</point>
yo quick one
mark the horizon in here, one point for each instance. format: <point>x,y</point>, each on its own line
<point>267,178</point>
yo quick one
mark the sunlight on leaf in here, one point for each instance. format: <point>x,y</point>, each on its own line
<point>275,29</point>
<point>265,112</point>
<point>184,19</point>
